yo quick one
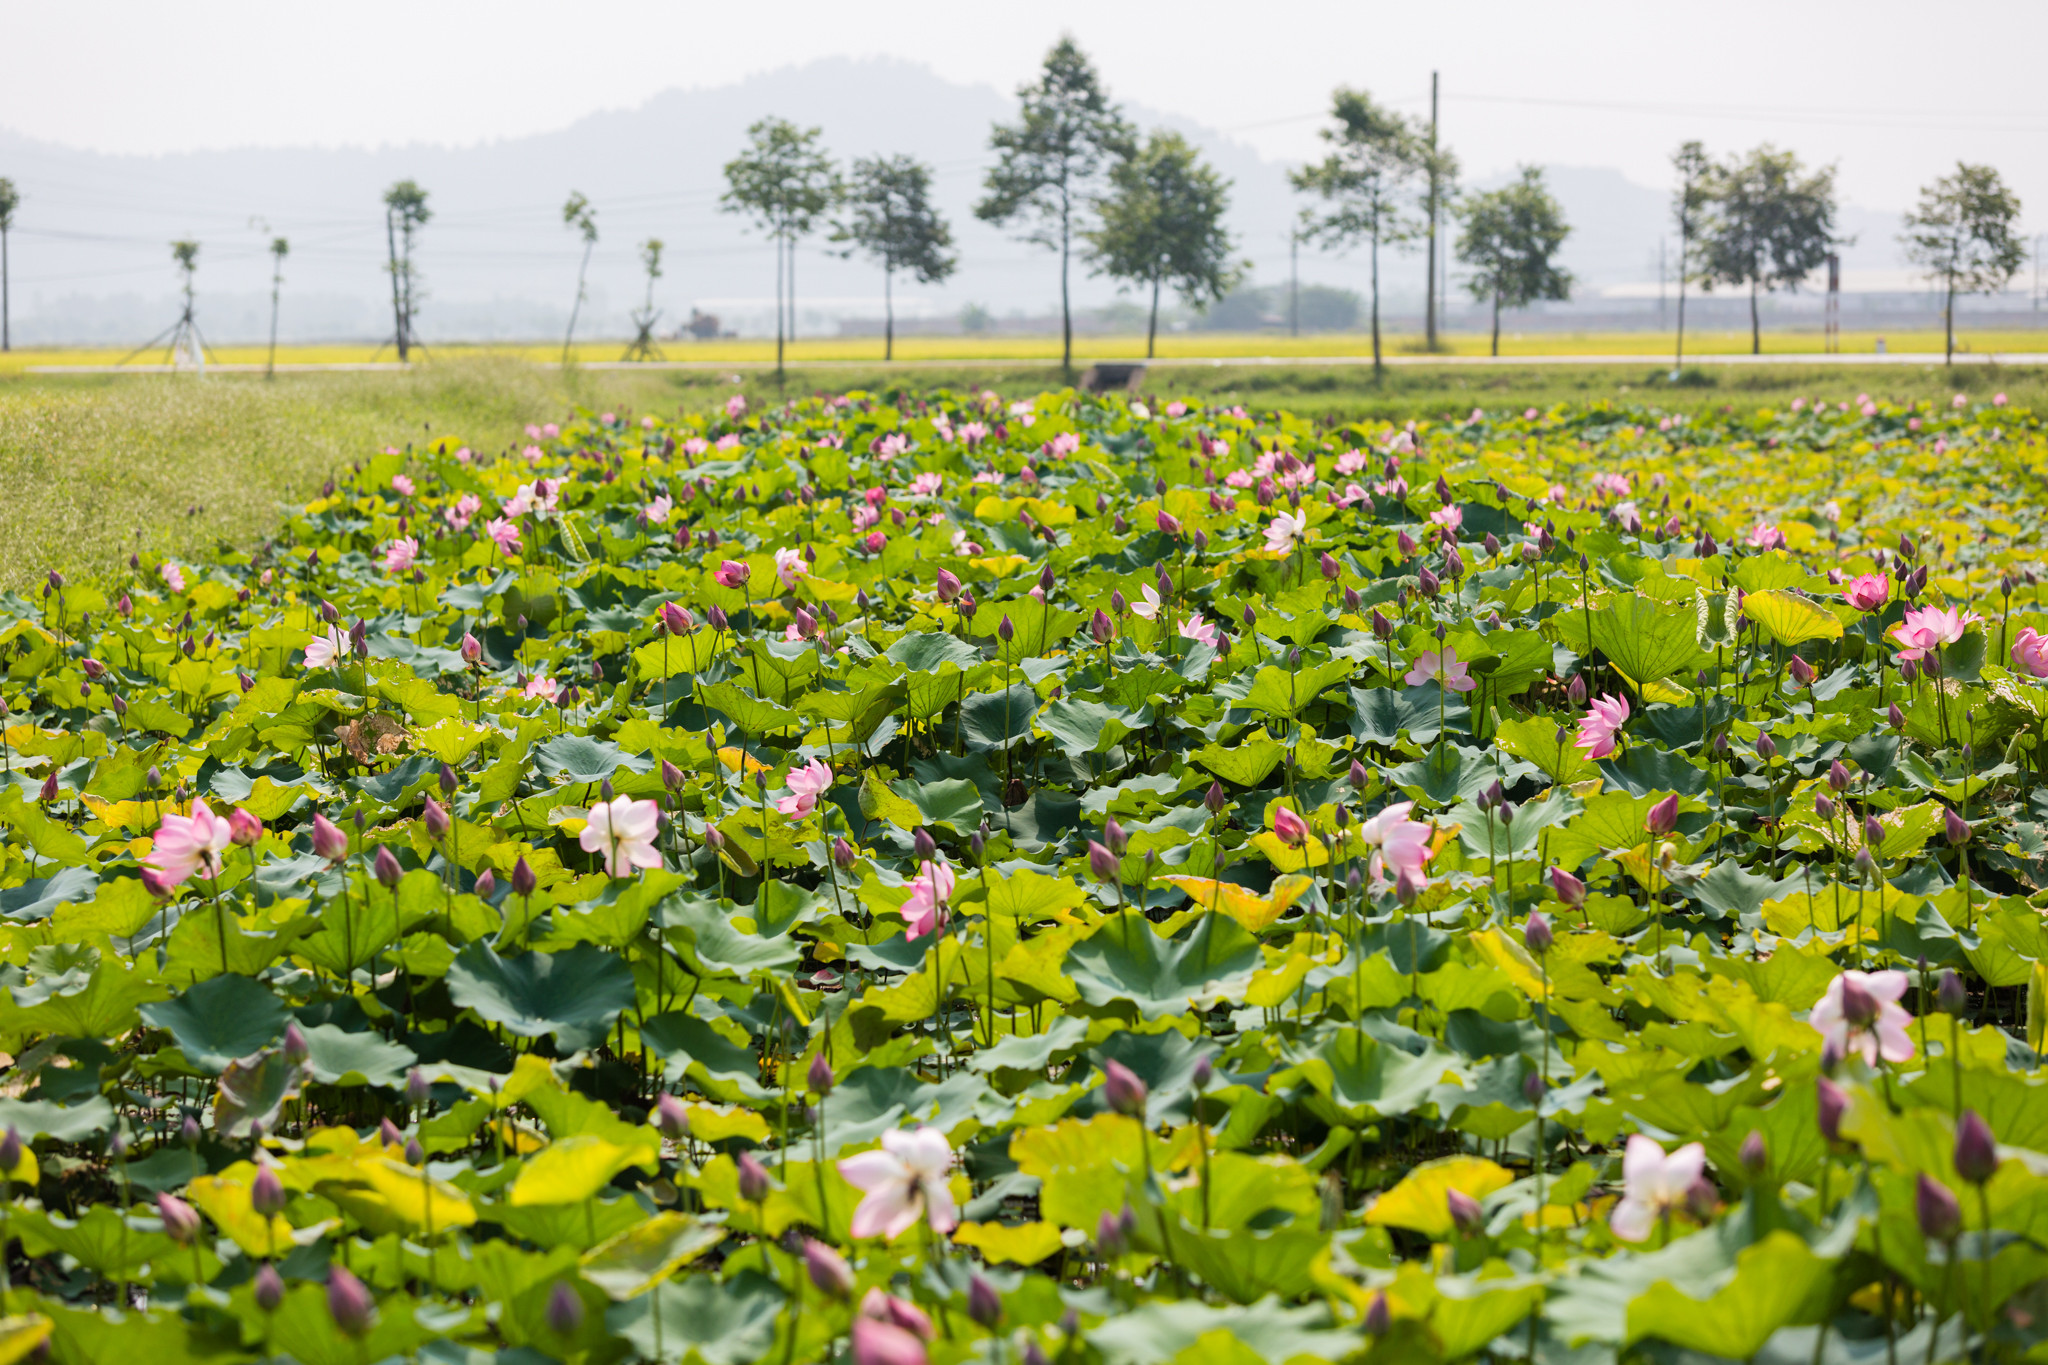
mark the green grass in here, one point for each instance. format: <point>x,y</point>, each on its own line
<point>93,468</point>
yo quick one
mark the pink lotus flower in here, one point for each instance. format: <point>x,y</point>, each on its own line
<point>623,831</point>
<point>550,430</point>
<point>1239,478</point>
<point>1176,409</point>
<point>1450,516</point>
<point>1444,669</point>
<point>1065,444</point>
<point>790,566</point>
<point>1868,592</point>
<point>928,484</point>
<point>660,509</point>
<point>1351,496</point>
<point>1351,462</point>
<point>172,575</point>
<point>1285,530</point>
<point>903,1182</point>
<point>736,406</point>
<point>806,785</point>
<point>542,686</point>
<point>973,433</point>
<point>731,574</point>
<point>874,542</point>
<point>400,554</point>
<point>1764,536</point>
<point>1653,1184</point>
<point>1398,844</point>
<point>323,650</point>
<point>1927,629</point>
<point>1603,720</point>
<point>1289,828</point>
<point>2030,653</point>
<point>465,507</point>
<point>505,534</point>
<point>1861,1014</point>
<point>928,896</point>
<point>189,844</point>
<point>1611,485</point>
<point>1148,603</point>
<point>403,484</point>
<point>695,446</point>
<point>1200,631</point>
<point>874,1342</point>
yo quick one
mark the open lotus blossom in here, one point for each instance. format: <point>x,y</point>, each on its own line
<point>400,554</point>
<point>458,516</point>
<point>1200,630</point>
<point>1611,485</point>
<point>1398,844</point>
<point>1868,592</point>
<point>1445,669</point>
<point>402,484</point>
<point>1653,1184</point>
<point>1351,462</point>
<point>172,575</point>
<point>1764,536</point>
<point>928,897</point>
<point>928,484</point>
<point>1861,1014</point>
<point>1285,531</point>
<point>1450,516</point>
<point>505,534</point>
<point>790,565</point>
<point>806,785</point>
<point>1926,629</point>
<point>623,831</point>
<point>542,686</point>
<point>2030,653</point>
<point>659,510</point>
<point>901,1183</point>
<point>1603,720</point>
<point>189,845</point>
<point>323,650</point>
<point>1148,603</point>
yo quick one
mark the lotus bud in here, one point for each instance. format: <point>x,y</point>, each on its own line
<point>1117,603</point>
<point>1466,1214</point>
<point>414,1153</point>
<point>1427,582</point>
<point>1755,1157</point>
<point>1101,628</point>
<point>1662,817</point>
<point>1102,864</point>
<point>828,1269</point>
<point>671,1119</point>
<point>1935,1207</point>
<point>984,1305</point>
<point>1834,1102</point>
<point>1766,748</point>
<point>671,776</point>
<point>565,1310</point>
<point>1976,1154</point>
<point>1113,835</point>
<point>1802,672</point>
<point>267,1288</point>
<point>435,818</point>
<point>1122,1090</point>
<point>1329,566</point>
<point>820,1077</point>
<point>1378,1315</point>
<point>1823,807</point>
<point>386,866</point>
<point>296,1049</point>
<point>181,1220</point>
<point>188,1133</point>
<point>718,619</point>
<point>1382,628</point>
<point>1407,887</point>
<point>267,1193</point>
<point>923,845</point>
<point>1895,717</point>
<point>1954,828</point>
<point>842,854</point>
<point>1537,933</point>
<point>1575,692</point>
<point>349,1303</point>
<point>1109,1236</point>
<point>388,1133</point>
<point>328,840</point>
<point>472,648</point>
<point>244,828</point>
<point>753,1178</point>
<point>1859,1006</point>
<point>1949,996</point>
<point>1838,776</point>
<point>1873,832</point>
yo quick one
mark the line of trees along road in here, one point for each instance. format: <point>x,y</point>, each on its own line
<point>1071,174</point>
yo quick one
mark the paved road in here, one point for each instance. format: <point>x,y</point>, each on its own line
<point>2015,358</point>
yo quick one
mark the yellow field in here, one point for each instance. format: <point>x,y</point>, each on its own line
<point>1185,345</point>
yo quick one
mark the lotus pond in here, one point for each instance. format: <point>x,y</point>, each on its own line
<point>925,879</point>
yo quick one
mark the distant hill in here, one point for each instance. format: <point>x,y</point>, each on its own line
<point>91,257</point>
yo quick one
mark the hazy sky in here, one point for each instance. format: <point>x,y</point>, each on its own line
<point>1895,92</point>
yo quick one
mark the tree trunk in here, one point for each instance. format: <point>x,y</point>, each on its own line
<point>1948,323</point>
<point>792,290</point>
<point>1378,371</point>
<point>1066,311</point>
<point>1678,361</point>
<point>1496,321</point>
<point>582,272</point>
<point>888,315</point>
<point>778,306</point>
<point>1152,331</point>
<point>397,307</point>
<point>270,368</point>
<point>1756,332</point>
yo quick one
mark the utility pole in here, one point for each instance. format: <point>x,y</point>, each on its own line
<point>279,249</point>
<point>1429,301</point>
<point>1294,282</point>
<point>1660,283</point>
<point>1831,335</point>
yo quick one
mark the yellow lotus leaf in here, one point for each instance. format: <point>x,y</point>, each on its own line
<point>734,759</point>
<point>630,1264</point>
<point>575,1169</point>
<point>1018,1243</point>
<point>1255,912</point>
<point>21,1334</point>
<point>225,1199</point>
<point>1420,1202</point>
<point>411,1195</point>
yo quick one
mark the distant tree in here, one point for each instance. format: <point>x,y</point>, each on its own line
<point>890,218</point>
<point>1688,203</point>
<point>1047,162</point>
<point>643,347</point>
<point>1961,233</point>
<point>1510,241</point>
<point>405,213</point>
<point>784,182</point>
<point>279,249</point>
<point>185,255</point>
<point>10,200</point>
<point>1375,154</point>
<point>577,213</point>
<point>1162,224</point>
<point>1768,225</point>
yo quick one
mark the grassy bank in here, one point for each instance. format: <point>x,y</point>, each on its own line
<point>94,467</point>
